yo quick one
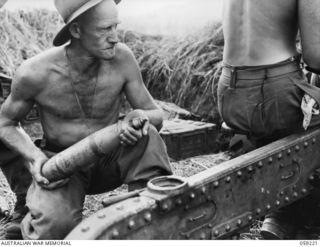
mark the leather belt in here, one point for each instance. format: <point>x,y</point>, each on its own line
<point>261,72</point>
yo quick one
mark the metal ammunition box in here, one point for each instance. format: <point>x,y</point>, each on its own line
<point>5,83</point>
<point>187,138</point>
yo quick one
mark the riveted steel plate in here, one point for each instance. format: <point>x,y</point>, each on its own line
<point>219,202</point>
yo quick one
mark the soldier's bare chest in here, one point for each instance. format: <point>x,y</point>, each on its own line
<point>91,97</point>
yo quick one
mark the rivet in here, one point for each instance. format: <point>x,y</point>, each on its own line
<point>288,151</point>
<point>228,228</point>
<point>115,234</point>
<point>304,191</point>
<point>250,218</point>
<point>239,174</point>
<point>186,207</point>
<point>280,156</point>
<point>85,228</point>
<point>258,211</point>
<point>287,199</point>
<point>239,223</point>
<point>260,164</point>
<point>216,233</point>
<point>131,224</point>
<point>148,217</point>
<point>228,179</point>
<point>203,236</point>
<point>270,160</point>
<point>311,178</point>
<point>281,193</point>
<point>268,207</point>
<point>203,190</point>
<point>295,194</point>
<point>165,207</point>
<point>250,169</point>
<point>192,196</point>
<point>278,203</point>
<point>101,215</point>
<point>314,140</point>
<point>210,225</point>
<point>216,184</point>
<point>306,144</point>
<point>297,148</point>
<point>236,237</point>
<point>208,198</point>
<point>179,202</point>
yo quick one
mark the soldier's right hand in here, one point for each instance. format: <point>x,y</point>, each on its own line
<point>35,167</point>
<point>56,184</point>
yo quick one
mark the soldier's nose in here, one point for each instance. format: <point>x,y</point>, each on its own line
<point>113,40</point>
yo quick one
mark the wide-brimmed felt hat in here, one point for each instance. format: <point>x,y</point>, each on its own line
<point>2,2</point>
<point>69,11</point>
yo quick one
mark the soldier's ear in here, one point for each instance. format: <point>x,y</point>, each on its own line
<point>75,30</point>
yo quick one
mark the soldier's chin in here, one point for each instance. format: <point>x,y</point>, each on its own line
<point>109,53</point>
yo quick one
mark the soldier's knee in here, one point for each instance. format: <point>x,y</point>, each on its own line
<point>152,129</point>
<point>152,137</point>
<point>53,226</point>
<point>153,132</point>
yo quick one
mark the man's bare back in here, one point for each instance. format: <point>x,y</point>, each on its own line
<point>264,32</point>
<point>262,86</point>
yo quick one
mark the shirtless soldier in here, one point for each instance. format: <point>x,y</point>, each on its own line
<point>78,88</point>
<point>262,84</point>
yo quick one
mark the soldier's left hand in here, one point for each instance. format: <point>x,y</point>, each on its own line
<point>134,127</point>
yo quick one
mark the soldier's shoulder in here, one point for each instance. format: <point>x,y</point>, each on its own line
<point>123,51</point>
<point>36,68</point>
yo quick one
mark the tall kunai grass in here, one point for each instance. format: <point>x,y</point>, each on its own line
<point>184,71</point>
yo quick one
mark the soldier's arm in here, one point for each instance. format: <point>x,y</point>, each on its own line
<point>13,110</point>
<point>309,23</point>
<point>136,92</point>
